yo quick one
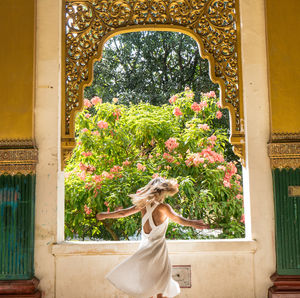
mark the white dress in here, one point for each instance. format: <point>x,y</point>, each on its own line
<point>148,271</point>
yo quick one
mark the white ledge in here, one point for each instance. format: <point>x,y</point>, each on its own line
<point>80,248</point>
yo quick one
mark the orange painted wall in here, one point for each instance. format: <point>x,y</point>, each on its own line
<point>283,23</point>
<point>17,24</point>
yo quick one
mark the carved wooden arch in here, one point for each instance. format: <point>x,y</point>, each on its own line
<point>214,24</point>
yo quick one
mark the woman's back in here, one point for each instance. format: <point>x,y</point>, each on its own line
<point>158,216</point>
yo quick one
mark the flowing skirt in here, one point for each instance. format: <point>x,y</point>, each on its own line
<point>147,272</point>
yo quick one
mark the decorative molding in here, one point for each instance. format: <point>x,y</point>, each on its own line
<point>284,155</point>
<point>284,286</point>
<point>18,161</point>
<point>214,24</point>
<point>286,136</point>
<point>16,143</point>
<point>20,288</point>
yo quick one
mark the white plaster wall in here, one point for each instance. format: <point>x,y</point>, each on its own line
<point>219,269</point>
<point>258,171</point>
<point>46,132</point>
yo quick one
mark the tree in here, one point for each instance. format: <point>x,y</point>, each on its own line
<point>121,148</point>
<point>150,67</point>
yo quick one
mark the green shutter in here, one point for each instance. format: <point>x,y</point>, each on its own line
<point>17,198</point>
<point>287,215</point>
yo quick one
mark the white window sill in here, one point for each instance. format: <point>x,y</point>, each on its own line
<point>80,248</point>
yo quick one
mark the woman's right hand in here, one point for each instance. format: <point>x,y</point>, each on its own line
<point>199,224</point>
<point>100,216</point>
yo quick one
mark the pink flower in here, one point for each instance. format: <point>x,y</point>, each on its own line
<point>212,139</point>
<point>196,107</point>
<point>171,144</point>
<point>238,177</point>
<point>87,210</point>
<point>126,163</point>
<point>107,175</point>
<point>87,115</point>
<point>219,114</point>
<point>168,157</point>
<point>141,167</point>
<point>95,133</point>
<point>190,94</point>
<point>82,166</point>
<point>67,175</point>
<point>189,162</point>
<point>86,154</point>
<point>239,196</point>
<point>117,113</point>
<point>95,100</point>
<point>97,178</point>
<point>106,204</point>
<point>226,183</point>
<point>157,154</point>
<point>203,126</point>
<point>155,175</point>
<point>81,176</point>
<point>177,112</point>
<point>219,105</point>
<point>84,130</point>
<point>242,218</point>
<point>221,168</point>
<point>211,155</point>
<point>203,104</point>
<point>168,168</point>
<point>210,94</point>
<point>150,156</point>
<point>115,100</point>
<point>102,124</point>
<point>172,99</point>
<point>197,160</point>
<point>79,143</point>
<point>116,169</point>
<point>87,103</point>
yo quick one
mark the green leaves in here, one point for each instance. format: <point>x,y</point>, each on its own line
<point>120,149</point>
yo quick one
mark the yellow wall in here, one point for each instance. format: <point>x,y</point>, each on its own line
<point>283,23</point>
<point>17,69</point>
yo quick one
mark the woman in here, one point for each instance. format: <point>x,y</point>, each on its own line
<point>148,271</point>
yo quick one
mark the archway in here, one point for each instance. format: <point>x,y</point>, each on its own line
<point>214,24</point>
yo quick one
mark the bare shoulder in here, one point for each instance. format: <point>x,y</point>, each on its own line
<point>165,208</point>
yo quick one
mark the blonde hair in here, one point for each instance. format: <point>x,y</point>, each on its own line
<point>155,191</point>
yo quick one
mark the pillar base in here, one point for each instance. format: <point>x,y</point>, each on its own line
<point>20,288</point>
<point>285,286</point>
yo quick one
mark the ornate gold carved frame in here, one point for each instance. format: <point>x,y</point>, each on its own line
<point>214,24</point>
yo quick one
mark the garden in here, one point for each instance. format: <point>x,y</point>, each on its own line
<point>120,148</point>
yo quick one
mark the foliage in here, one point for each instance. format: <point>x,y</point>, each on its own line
<point>121,148</point>
<point>149,66</point>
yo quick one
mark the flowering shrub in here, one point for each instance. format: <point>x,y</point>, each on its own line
<point>121,148</point>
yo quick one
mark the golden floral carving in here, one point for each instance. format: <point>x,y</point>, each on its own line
<point>284,155</point>
<point>16,143</point>
<point>213,23</point>
<point>276,136</point>
<point>18,161</point>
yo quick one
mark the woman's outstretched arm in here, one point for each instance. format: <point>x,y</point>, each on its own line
<point>118,213</point>
<point>197,224</point>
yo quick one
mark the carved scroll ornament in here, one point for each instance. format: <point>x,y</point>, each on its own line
<point>214,24</point>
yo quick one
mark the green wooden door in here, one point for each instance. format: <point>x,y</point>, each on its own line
<point>287,216</point>
<point>17,196</point>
